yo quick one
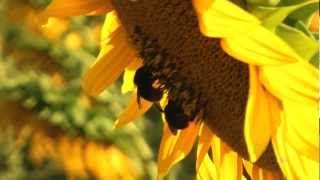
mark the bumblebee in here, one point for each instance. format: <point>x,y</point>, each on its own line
<point>144,81</point>
<point>175,116</point>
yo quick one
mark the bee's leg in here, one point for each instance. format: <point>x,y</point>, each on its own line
<point>138,98</point>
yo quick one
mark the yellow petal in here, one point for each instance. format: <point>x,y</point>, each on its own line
<point>204,144</point>
<point>207,170</point>
<point>110,25</point>
<point>296,82</point>
<point>259,46</point>
<point>114,56</point>
<point>222,18</point>
<point>228,163</point>
<point>302,128</point>
<point>257,130</point>
<point>293,164</point>
<point>135,64</point>
<point>128,84</point>
<point>62,8</point>
<point>132,111</point>
<point>174,148</point>
<point>257,173</point>
<point>128,77</point>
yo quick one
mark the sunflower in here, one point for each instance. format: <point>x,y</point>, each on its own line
<point>236,75</point>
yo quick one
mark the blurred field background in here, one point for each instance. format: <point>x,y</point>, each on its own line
<point>49,128</point>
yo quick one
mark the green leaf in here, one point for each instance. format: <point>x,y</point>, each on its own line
<point>305,13</point>
<point>315,60</point>
<point>316,35</point>
<point>291,2</point>
<point>271,17</point>
<point>305,46</point>
<point>299,25</point>
<point>264,2</point>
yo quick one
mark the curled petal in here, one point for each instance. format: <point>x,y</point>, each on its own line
<point>132,111</point>
<point>174,148</point>
<point>259,46</point>
<point>61,8</point>
<point>222,18</point>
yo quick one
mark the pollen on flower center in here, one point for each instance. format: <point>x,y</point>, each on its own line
<point>194,70</point>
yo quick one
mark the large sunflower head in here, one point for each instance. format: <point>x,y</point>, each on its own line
<point>238,74</point>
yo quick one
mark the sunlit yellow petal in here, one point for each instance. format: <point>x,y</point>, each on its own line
<point>128,84</point>
<point>257,131</point>
<point>61,8</point>
<point>228,163</point>
<point>135,64</point>
<point>222,18</point>
<point>255,48</point>
<point>293,164</point>
<point>207,170</point>
<point>302,128</point>
<point>204,144</point>
<point>110,25</point>
<point>174,148</point>
<point>296,81</point>
<point>107,69</point>
<point>128,77</point>
<point>132,111</point>
<point>114,56</point>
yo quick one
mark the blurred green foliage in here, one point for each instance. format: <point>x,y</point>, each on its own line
<point>15,166</point>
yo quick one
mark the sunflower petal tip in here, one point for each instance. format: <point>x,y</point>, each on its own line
<point>253,156</point>
<point>88,86</point>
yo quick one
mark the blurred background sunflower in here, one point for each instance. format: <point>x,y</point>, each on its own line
<point>50,129</point>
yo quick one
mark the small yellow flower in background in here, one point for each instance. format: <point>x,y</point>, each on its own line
<point>73,41</point>
<point>54,28</point>
<point>314,25</point>
<point>247,80</point>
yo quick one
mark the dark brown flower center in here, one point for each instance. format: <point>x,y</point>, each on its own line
<point>197,74</point>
